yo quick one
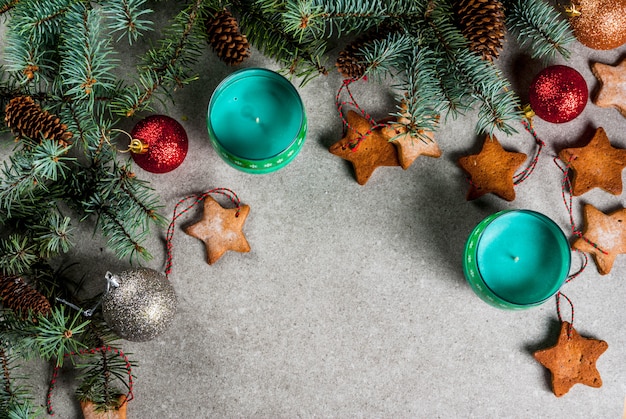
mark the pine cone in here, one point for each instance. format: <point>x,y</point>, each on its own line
<point>224,36</point>
<point>482,22</point>
<point>348,63</point>
<point>20,297</point>
<point>27,119</point>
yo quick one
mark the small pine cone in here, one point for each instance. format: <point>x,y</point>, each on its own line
<point>20,297</point>
<point>230,45</point>
<point>482,22</point>
<point>348,63</point>
<point>27,119</point>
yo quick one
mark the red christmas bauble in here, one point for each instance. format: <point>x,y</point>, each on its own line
<point>558,94</point>
<point>166,142</point>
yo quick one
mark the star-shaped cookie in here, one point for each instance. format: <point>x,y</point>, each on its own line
<point>612,91</point>
<point>220,229</point>
<point>492,170</point>
<point>604,236</point>
<point>373,151</point>
<point>410,146</point>
<point>572,360</point>
<point>596,165</point>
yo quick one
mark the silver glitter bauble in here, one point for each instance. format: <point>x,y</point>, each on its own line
<point>139,304</point>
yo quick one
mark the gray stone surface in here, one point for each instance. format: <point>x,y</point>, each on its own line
<point>352,301</point>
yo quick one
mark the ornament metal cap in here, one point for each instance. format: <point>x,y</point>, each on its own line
<point>136,146</point>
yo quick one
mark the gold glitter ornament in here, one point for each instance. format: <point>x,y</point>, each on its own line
<point>139,304</point>
<point>599,24</point>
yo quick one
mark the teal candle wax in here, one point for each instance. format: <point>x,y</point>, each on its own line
<point>516,259</point>
<point>256,120</point>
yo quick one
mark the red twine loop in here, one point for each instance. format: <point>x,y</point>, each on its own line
<point>524,174</point>
<point>558,311</point>
<point>340,104</point>
<point>197,199</point>
<point>92,351</point>
<point>566,188</point>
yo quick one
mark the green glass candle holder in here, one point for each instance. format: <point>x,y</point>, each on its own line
<point>516,259</point>
<point>256,120</point>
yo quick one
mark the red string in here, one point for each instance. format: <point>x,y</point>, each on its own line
<point>566,188</point>
<point>197,199</point>
<point>566,193</point>
<point>524,174</point>
<point>340,104</point>
<point>103,349</point>
<point>558,311</point>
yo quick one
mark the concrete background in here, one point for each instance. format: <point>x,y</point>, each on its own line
<point>352,301</point>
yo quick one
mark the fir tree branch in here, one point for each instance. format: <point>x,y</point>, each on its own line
<point>485,83</point>
<point>343,17</point>
<point>384,57</point>
<point>100,375</point>
<point>7,5</point>
<point>39,19</point>
<point>30,172</point>
<point>539,28</point>
<point>56,335</point>
<point>86,56</point>
<point>127,18</point>
<point>166,66</point>
<point>15,400</point>
<point>5,371</point>
<point>19,254</point>
<point>139,193</point>
<point>49,337</point>
<point>55,237</point>
<point>121,238</point>
<point>263,25</point>
<point>422,96</point>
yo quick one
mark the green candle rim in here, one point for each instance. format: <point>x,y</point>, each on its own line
<point>478,284</point>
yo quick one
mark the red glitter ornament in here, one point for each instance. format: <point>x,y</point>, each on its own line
<point>163,144</point>
<point>558,94</point>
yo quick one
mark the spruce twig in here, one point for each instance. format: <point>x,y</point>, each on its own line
<point>15,400</point>
<point>263,25</point>
<point>166,67</point>
<point>539,28</point>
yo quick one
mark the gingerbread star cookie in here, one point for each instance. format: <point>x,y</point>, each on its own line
<point>596,165</point>
<point>572,360</point>
<point>220,229</point>
<point>492,170</point>
<point>410,146</point>
<point>604,236</point>
<point>373,151</point>
<point>612,92</point>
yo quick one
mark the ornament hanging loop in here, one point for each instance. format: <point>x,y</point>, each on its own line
<point>529,114</point>
<point>197,198</point>
<point>572,11</point>
<point>136,146</point>
<point>112,281</point>
<point>87,313</point>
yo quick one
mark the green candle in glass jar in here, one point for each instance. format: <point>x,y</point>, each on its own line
<point>256,120</point>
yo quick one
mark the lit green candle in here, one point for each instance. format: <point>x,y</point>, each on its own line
<point>256,120</point>
<point>516,259</point>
